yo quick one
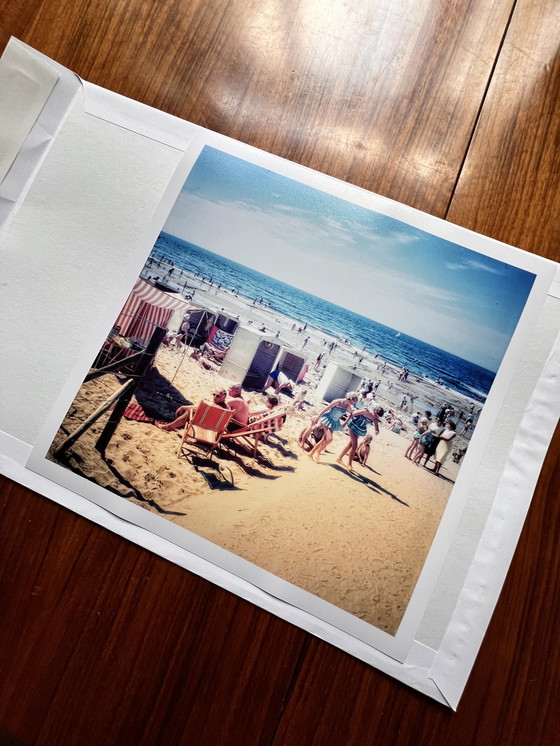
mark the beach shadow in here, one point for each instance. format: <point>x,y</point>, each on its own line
<point>157,397</point>
<point>282,450</point>
<point>217,477</point>
<point>369,483</point>
<point>237,457</point>
<point>134,492</point>
<point>440,475</point>
<point>373,470</point>
<point>446,479</point>
<point>239,453</point>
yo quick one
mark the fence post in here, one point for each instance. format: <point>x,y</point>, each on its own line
<point>117,413</point>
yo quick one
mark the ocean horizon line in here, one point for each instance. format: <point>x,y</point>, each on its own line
<point>393,345</point>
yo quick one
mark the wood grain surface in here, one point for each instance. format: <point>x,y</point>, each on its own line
<point>451,107</point>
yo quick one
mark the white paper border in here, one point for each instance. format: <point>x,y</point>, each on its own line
<point>399,645</point>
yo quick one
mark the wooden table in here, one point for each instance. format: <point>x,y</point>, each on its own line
<point>451,107</point>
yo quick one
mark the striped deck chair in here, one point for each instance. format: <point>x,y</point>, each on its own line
<point>256,430</point>
<point>206,426</point>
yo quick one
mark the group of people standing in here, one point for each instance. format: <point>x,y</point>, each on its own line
<point>345,414</point>
<point>431,439</point>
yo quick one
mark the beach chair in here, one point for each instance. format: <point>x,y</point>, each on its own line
<point>208,423</point>
<point>255,431</point>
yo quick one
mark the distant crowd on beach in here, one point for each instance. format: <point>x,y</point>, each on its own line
<point>355,414</point>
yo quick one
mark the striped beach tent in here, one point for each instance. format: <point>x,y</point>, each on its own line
<point>146,308</point>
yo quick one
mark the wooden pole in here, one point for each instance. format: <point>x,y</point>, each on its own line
<point>113,367</point>
<point>71,439</point>
<point>144,362</point>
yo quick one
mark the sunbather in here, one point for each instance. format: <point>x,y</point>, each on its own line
<point>240,407</point>
<point>278,381</point>
<point>270,403</point>
<point>184,413</point>
<point>213,352</point>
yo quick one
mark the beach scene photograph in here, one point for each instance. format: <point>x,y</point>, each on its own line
<point>297,379</point>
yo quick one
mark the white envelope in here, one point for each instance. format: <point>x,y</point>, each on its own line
<point>86,181</point>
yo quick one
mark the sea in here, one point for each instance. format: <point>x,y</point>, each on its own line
<point>392,345</point>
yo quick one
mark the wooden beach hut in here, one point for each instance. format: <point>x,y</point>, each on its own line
<point>250,358</point>
<point>336,381</point>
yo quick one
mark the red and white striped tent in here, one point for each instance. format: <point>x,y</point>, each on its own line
<point>146,308</point>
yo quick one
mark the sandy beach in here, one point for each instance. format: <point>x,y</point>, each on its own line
<point>357,540</point>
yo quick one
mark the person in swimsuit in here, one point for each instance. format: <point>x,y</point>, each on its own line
<point>330,418</point>
<point>278,380</point>
<point>421,428</point>
<point>357,428</point>
<point>183,414</point>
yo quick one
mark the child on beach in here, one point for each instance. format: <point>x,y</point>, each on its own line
<point>357,425</point>
<point>362,454</point>
<point>310,436</point>
<point>428,442</point>
<point>299,398</point>
<point>421,428</point>
<point>330,419</point>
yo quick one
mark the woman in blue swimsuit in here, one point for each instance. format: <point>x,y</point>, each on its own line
<point>357,425</point>
<point>330,418</point>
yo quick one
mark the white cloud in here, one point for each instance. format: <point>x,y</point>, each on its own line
<point>321,258</point>
<point>473,264</point>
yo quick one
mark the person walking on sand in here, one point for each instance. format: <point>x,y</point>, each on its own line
<point>357,425</point>
<point>468,424</point>
<point>318,361</point>
<point>330,419</point>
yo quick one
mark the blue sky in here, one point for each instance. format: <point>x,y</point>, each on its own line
<point>451,297</point>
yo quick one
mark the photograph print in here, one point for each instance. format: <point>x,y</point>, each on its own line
<point>296,379</point>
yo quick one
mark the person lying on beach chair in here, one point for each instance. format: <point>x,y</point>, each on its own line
<point>255,431</point>
<point>217,345</point>
<point>214,353</point>
<point>271,402</point>
<point>207,425</point>
<point>237,403</point>
<point>183,414</point>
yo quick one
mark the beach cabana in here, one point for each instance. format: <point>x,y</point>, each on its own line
<point>293,364</point>
<point>146,308</point>
<point>336,381</point>
<point>250,358</point>
<point>206,324</point>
